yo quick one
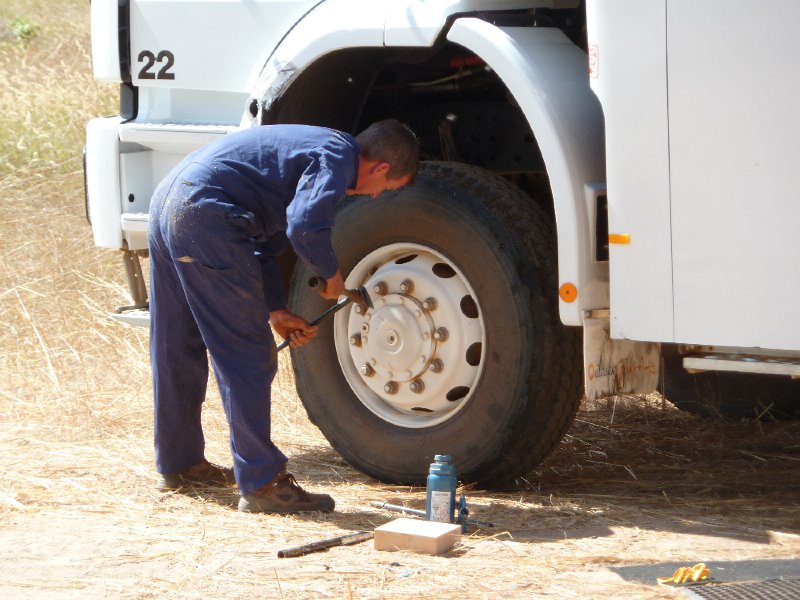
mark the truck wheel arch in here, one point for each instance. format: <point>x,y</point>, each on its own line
<point>542,69</point>
<point>547,75</point>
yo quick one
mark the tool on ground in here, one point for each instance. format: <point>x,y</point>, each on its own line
<point>417,535</point>
<point>699,573</point>
<point>342,540</point>
<point>440,496</point>
<point>421,513</point>
<point>359,296</point>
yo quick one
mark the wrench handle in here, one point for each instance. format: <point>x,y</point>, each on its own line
<point>335,308</point>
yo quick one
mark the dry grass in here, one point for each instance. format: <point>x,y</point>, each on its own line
<point>634,482</point>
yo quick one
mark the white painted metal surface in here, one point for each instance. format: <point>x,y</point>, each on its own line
<point>225,37</point>
<point>628,44</point>
<point>547,76</point>
<point>419,22</point>
<point>402,342</point>
<point>704,183</point>
<point>139,317</point>
<point>172,139</point>
<point>105,40</point>
<point>333,25</point>
<point>745,364</point>
<point>734,123</point>
<point>102,181</point>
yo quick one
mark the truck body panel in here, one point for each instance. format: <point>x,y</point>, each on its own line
<point>701,143</point>
<point>734,131</point>
<point>632,88</point>
<point>546,73</point>
<point>216,45</point>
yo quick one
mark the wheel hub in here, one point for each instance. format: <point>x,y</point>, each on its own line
<point>397,337</point>
<point>414,357</point>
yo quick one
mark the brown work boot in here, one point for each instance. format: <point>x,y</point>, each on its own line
<point>284,495</point>
<point>203,473</point>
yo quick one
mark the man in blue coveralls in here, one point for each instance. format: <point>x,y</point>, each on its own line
<point>217,223</point>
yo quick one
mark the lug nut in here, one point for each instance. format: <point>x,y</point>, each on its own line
<point>380,288</point>
<point>440,335</point>
<point>359,309</point>
<point>436,365</point>
<point>390,387</point>
<point>429,304</point>
<point>407,286</point>
<point>417,386</point>
<point>366,370</point>
<point>355,339</point>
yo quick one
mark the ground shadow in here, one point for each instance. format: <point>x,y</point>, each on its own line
<point>629,463</point>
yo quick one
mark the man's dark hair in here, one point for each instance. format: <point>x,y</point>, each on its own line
<point>392,142</point>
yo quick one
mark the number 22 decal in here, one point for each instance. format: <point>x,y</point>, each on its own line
<point>149,59</point>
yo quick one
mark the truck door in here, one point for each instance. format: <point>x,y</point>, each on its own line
<point>734,125</point>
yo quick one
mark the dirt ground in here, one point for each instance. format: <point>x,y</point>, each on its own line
<point>635,482</point>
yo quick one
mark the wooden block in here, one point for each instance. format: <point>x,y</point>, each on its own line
<point>417,535</point>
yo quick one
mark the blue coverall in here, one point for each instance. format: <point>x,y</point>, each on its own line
<point>217,223</point>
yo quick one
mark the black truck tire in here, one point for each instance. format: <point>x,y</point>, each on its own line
<point>506,395</point>
<point>726,395</point>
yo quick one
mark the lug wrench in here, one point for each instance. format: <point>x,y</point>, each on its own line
<point>358,295</point>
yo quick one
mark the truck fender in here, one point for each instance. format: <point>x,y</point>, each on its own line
<point>548,77</point>
<point>330,26</point>
<point>342,24</point>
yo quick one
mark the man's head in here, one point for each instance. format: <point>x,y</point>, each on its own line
<point>388,158</point>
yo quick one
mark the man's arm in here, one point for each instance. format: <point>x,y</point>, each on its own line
<point>293,328</point>
<point>310,215</point>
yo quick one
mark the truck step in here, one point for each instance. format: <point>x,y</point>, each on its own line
<point>743,363</point>
<point>139,317</point>
<point>172,138</point>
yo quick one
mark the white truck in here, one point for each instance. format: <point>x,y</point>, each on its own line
<point>608,203</point>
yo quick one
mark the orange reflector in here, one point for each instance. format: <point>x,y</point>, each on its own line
<point>568,292</point>
<point>619,238</point>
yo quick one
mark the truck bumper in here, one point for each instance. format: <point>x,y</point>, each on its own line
<point>102,181</point>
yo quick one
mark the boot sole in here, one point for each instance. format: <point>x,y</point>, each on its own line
<point>253,506</point>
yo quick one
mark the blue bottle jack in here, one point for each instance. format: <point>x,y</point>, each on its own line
<point>440,501</point>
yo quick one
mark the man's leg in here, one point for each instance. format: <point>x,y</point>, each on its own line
<point>178,360</point>
<point>221,278</point>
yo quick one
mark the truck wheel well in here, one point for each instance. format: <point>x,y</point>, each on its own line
<point>458,107</point>
<point>330,92</point>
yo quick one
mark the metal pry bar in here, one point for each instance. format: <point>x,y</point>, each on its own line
<point>343,540</point>
<point>421,513</point>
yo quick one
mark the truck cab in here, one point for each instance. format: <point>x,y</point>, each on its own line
<point>604,204</point>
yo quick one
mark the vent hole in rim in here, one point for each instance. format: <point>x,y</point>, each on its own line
<point>457,393</point>
<point>421,409</point>
<point>473,354</point>
<point>469,308</point>
<point>405,259</point>
<point>443,270</point>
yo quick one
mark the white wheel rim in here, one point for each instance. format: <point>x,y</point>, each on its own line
<point>412,362</point>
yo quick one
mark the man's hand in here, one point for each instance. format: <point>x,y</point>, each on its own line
<point>293,328</point>
<point>334,287</point>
